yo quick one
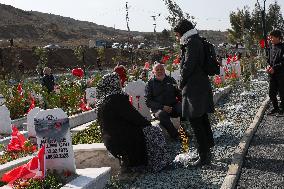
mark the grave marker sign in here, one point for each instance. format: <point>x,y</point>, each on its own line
<point>53,130</point>
<point>5,120</point>
<point>30,121</point>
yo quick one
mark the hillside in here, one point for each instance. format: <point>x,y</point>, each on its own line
<point>30,28</point>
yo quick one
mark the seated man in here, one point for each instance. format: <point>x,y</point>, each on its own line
<point>161,95</point>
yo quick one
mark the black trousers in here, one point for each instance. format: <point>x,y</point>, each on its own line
<point>165,119</point>
<point>203,133</point>
<point>276,85</point>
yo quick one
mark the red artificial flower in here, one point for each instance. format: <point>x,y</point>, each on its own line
<point>20,89</point>
<point>233,75</point>
<point>177,60</point>
<point>217,80</point>
<point>78,72</point>
<point>235,58</point>
<point>165,59</point>
<point>229,59</point>
<point>147,66</point>
<point>262,43</point>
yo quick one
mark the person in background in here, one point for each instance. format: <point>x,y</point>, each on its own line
<point>197,95</point>
<point>144,75</point>
<point>275,70</point>
<point>48,80</point>
<point>161,93</point>
<point>121,71</point>
<point>99,64</point>
<point>126,134</point>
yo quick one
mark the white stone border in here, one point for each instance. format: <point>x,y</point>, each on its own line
<point>235,168</point>
<point>90,178</point>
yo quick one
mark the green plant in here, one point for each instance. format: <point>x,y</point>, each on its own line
<point>88,136</point>
<point>114,183</point>
<point>68,99</point>
<point>79,53</point>
<point>8,156</point>
<point>52,180</point>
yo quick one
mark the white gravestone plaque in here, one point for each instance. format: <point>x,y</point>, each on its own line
<point>53,129</point>
<point>5,120</point>
<point>136,91</point>
<point>2,100</point>
<point>91,95</point>
<point>30,121</point>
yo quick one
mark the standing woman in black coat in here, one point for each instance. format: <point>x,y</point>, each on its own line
<point>197,95</point>
<point>126,133</point>
<point>275,71</point>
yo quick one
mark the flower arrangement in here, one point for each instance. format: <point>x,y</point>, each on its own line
<point>171,60</point>
<point>52,180</point>
<point>18,147</point>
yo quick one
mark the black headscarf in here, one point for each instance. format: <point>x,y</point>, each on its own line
<point>108,85</point>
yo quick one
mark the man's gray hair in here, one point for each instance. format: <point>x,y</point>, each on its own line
<point>156,64</point>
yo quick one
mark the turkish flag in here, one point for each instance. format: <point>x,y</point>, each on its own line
<point>35,168</point>
<point>17,141</point>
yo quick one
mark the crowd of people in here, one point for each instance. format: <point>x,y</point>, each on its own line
<point>127,134</point>
<point>137,143</point>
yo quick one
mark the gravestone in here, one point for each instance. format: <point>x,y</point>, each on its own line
<point>237,68</point>
<point>53,130</point>
<point>175,74</point>
<point>5,120</point>
<point>232,66</point>
<point>91,95</point>
<point>136,92</point>
<point>30,121</point>
<point>2,100</point>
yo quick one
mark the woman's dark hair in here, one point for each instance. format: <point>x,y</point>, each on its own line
<point>276,33</point>
<point>183,26</point>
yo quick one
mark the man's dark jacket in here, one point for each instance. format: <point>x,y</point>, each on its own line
<point>276,58</point>
<point>161,93</point>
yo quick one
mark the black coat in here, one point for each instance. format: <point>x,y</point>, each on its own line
<point>48,82</point>
<point>122,129</point>
<point>197,95</point>
<point>161,93</point>
<point>276,58</point>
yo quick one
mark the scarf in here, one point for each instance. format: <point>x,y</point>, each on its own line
<point>108,85</point>
<point>185,37</point>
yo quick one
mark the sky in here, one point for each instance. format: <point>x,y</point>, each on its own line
<point>209,14</point>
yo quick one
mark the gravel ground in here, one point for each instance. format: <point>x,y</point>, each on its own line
<point>264,163</point>
<point>234,114</point>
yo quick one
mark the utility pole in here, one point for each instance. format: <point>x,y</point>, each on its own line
<point>155,26</point>
<point>263,25</point>
<point>128,29</point>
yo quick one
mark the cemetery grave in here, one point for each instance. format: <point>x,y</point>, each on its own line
<point>86,133</point>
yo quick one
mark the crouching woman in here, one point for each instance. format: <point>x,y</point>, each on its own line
<point>126,134</point>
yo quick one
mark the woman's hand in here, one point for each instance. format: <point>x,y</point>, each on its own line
<point>168,109</point>
<point>270,70</point>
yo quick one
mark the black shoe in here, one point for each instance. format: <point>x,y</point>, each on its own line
<point>281,113</point>
<point>204,159</point>
<point>273,111</point>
